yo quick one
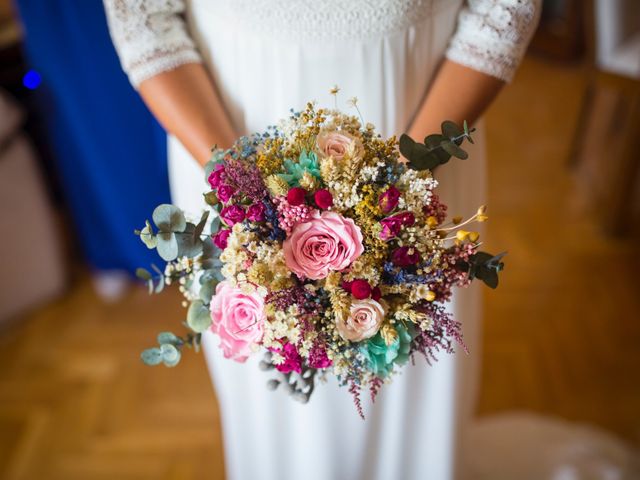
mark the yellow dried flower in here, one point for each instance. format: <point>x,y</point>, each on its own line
<point>388,333</point>
<point>276,185</point>
<point>461,235</point>
<point>432,221</point>
<point>309,182</point>
<point>457,219</point>
<point>474,236</point>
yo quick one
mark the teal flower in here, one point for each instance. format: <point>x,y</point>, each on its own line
<point>307,162</point>
<point>381,357</point>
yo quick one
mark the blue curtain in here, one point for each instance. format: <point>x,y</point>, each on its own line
<point>109,151</point>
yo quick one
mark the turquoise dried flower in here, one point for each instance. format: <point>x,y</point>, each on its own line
<point>307,162</point>
<point>381,357</point>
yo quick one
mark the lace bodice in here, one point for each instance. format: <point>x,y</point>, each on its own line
<point>151,36</point>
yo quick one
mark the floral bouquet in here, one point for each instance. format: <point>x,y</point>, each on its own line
<point>325,253</point>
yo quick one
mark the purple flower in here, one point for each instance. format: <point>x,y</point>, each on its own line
<point>216,177</point>
<point>225,192</point>
<point>232,214</point>
<point>405,256</point>
<point>388,200</point>
<point>256,212</point>
<point>318,357</point>
<point>220,238</point>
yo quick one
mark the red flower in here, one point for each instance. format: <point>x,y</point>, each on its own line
<point>388,200</point>
<point>216,176</point>
<point>376,294</point>
<point>256,212</point>
<point>360,289</point>
<point>405,256</point>
<point>220,238</point>
<point>296,195</point>
<point>323,198</point>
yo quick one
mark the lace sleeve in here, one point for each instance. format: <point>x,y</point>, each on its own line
<point>493,35</point>
<point>150,36</point>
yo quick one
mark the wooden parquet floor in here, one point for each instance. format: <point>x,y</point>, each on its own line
<point>561,334</point>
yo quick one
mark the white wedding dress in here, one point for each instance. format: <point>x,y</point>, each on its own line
<point>265,57</point>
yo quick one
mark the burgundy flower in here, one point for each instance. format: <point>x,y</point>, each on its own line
<point>256,212</point>
<point>376,294</point>
<point>220,238</point>
<point>360,289</point>
<point>232,214</point>
<point>318,358</point>
<point>390,227</point>
<point>323,198</point>
<point>388,200</point>
<point>346,285</point>
<point>215,177</point>
<point>296,195</point>
<point>405,256</point>
<point>407,218</point>
<point>225,192</point>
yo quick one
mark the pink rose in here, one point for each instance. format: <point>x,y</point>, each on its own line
<point>216,177</point>
<point>338,144</point>
<point>238,320</point>
<point>225,192</point>
<point>232,214</point>
<point>364,320</point>
<point>255,212</point>
<point>326,242</point>
<point>388,200</point>
<point>221,238</point>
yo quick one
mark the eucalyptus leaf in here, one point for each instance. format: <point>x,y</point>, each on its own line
<point>188,244</point>
<point>147,236</point>
<point>433,143</point>
<point>168,337</point>
<point>198,316</point>
<point>169,218</point>
<point>215,225</point>
<point>201,224</point>
<point>170,355</point>
<point>451,130</point>
<point>167,246</point>
<point>151,356</point>
<point>208,168</point>
<point>206,291</point>
<point>452,149</point>
<point>160,285</point>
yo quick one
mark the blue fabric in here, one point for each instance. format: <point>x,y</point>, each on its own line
<point>110,152</point>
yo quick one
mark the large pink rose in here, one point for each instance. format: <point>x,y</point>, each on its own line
<point>238,320</point>
<point>337,145</point>
<point>324,243</point>
<point>364,321</point>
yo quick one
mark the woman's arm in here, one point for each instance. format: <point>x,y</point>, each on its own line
<point>483,54</point>
<point>458,93</point>
<point>187,105</point>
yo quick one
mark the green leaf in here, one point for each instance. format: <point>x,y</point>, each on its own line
<point>211,198</point>
<point>208,168</point>
<point>169,218</point>
<point>200,227</point>
<point>433,143</point>
<point>215,225</point>
<point>452,149</point>
<point>143,274</point>
<point>151,356</point>
<point>451,129</point>
<point>206,291</point>
<point>160,285</point>
<point>170,354</point>
<point>188,244</point>
<point>168,337</point>
<point>167,246</point>
<point>147,236</point>
<point>198,316</point>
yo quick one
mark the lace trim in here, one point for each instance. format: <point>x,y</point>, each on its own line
<point>493,35</point>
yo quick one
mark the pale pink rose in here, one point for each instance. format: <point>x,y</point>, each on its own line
<point>238,320</point>
<point>364,321</point>
<point>327,242</point>
<point>338,144</point>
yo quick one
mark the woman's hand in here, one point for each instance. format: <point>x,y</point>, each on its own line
<point>187,105</point>
<point>457,93</point>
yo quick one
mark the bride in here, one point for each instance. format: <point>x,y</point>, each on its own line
<point>211,70</point>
